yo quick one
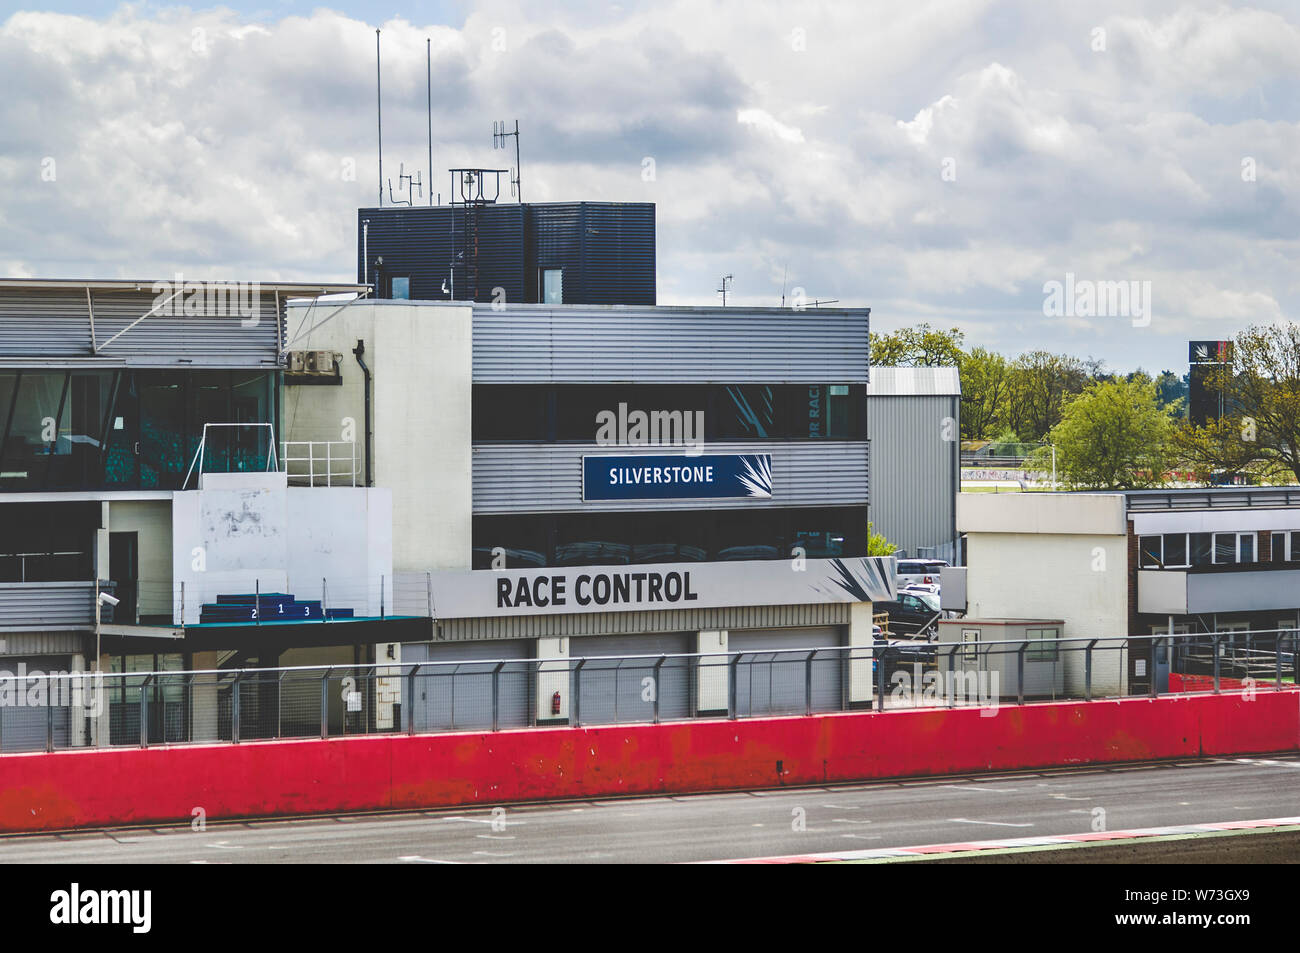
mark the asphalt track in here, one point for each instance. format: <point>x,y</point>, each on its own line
<point>740,825</point>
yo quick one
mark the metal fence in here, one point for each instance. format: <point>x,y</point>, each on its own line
<point>49,711</point>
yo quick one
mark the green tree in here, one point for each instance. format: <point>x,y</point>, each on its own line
<point>984,385</point>
<point>1039,384</point>
<point>1225,446</point>
<point>919,346</point>
<point>1262,384</point>
<point>1112,436</point>
<point>877,545</point>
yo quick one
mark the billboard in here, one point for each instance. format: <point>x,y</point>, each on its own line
<point>677,477</point>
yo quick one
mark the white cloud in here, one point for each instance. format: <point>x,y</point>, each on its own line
<point>935,161</point>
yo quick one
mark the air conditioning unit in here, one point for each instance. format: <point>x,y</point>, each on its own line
<point>297,362</point>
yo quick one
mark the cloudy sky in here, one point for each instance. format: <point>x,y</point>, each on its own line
<point>935,160</point>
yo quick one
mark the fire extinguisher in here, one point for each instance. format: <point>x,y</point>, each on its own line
<point>555,704</point>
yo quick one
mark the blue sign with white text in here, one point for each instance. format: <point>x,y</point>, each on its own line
<point>678,477</point>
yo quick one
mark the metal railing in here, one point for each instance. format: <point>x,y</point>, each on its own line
<point>49,711</point>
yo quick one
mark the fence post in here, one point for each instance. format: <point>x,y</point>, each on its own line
<point>381,597</point>
<point>1155,655</point>
<point>732,701</point>
<point>410,699</point>
<point>577,693</point>
<point>49,715</point>
<point>257,602</point>
<point>496,697</point>
<point>144,712</point>
<point>234,709</point>
<point>325,704</point>
<point>324,612</point>
<point>428,591</point>
<point>1214,645</point>
<point>1087,671</point>
<point>658,666</point>
<point>182,605</point>
<point>1277,652</point>
<point>807,683</point>
<point>878,664</point>
<point>1020,673</point>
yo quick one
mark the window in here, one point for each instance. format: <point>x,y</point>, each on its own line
<point>402,288</point>
<point>1175,546</point>
<point>1044,650</point>
<point>1231,548</point>
<point>970,639</point>
<point>553,286</point>
<point>1151,554</point>
<point>1201,549</point>
<point>1279,547</point>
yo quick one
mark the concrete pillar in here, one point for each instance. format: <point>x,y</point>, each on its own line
<point>861,681</point>
<point>203,699</point>
<point>552,677</point>
<point>711,683</point>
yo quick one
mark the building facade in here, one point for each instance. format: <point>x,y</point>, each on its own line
<point>914,415</point>
<point>598,481</point>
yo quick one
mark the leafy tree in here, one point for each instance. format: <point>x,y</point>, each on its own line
<point>984,385</point>
<point>1226,446</point>
<point>877,545</point>
<point>1112,436</point>
<point>1038,387</point>
<point>920,346</point>
<point>1171,392</point>
<point>1263,386</point>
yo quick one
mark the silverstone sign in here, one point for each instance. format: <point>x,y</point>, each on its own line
<point>564,589</point>
<point>677,477</point>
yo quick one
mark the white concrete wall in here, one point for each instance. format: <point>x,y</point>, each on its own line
<point>247,532</point>
<point>419,354</point>
<point>1052,556</point>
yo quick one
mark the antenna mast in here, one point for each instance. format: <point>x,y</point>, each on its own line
<point>428,80</point>
<point>379,113</point>
<point>499,137</point>
<point>722,290</point>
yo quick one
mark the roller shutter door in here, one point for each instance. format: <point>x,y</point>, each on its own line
<point>614,691</point>
<point>23,727</point>
<point>771,678</point>
<point>459,697</point>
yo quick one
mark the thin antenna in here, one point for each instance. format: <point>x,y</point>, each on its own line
<point>784,272</point>
<point>723,289</point>
<point>428,79</point>
<point>499,137</point>
<point>379,112</point>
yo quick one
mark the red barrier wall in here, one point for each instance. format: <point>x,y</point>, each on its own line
<point>132,786</point>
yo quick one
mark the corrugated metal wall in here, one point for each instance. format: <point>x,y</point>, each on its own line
<point>607,250</point>
<point>631,623</point>
<point>46,604</point>
<point>42,327</point>
<point>547,478</point>
<point>419,242</point>
<point>915,473</point>
<point>540,345</point>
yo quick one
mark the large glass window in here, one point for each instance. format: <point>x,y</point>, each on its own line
<point>570,412</point>
<point>1040,648</point>
<point>71,430</point>
<point>596,539</point>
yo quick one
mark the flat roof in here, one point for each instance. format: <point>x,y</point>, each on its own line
<point>303,288</point>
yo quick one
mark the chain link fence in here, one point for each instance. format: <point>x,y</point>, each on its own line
<point>50,711</point>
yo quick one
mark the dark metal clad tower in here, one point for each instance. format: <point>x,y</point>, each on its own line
<point>604,251</point>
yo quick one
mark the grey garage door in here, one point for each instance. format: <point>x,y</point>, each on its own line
<point>772,677</point>
<point>25,721</point>
<point>615,690</point>
<point>459,696</point>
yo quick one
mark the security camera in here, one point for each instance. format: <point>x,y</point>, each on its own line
<point>106,599</point>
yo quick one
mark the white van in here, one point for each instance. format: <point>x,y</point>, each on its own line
<point>922,571</point>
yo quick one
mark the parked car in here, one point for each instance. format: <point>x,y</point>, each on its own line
<point>911,612</point>
<point>926,571</point>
